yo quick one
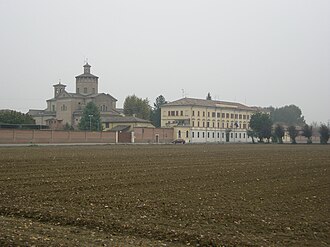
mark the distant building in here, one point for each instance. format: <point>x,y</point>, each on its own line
<point>67,108</point>
<point>199,120</point>
<point>125,124</point>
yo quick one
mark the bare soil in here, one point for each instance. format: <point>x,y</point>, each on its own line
<point>165,195</point>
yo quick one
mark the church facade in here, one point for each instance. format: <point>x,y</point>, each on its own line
<point>66,108</point>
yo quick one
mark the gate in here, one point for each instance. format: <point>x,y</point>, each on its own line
<point>124,137</point>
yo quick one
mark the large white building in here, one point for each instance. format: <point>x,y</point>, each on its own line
<point>202,121</point>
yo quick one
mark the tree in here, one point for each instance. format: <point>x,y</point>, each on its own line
<point>293,133</point>
<point>15,117</point>
<point>307,132</point>
<point>288,115</point>
<point>155,114</point>
<point>90,119</point>
<point>134,106</point>
<point>324,134</point>
<point>261,124</point>
<point>279,133</point>
<point>252,134</point>
<point>209,97</point>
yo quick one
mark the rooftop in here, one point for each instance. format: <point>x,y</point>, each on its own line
<point>208,103</point>
<point>125,120</point>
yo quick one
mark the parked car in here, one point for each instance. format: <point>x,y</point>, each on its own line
<point>181,141</point>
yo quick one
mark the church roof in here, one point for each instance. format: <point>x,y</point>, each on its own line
<point>99,94</point>
<point>87,75</point>
<point>78,95</point>
<point>59,84</point>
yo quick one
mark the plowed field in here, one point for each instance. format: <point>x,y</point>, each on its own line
<point>165,195</point>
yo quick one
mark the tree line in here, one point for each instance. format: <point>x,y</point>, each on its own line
<point>15,117</point>
<point>262,127</point>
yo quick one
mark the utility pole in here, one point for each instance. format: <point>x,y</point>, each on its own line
<point>90,122</point>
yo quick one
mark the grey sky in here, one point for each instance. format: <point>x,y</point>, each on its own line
<point>265,52</point>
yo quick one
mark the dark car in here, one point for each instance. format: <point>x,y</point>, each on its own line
<point>181,141</point>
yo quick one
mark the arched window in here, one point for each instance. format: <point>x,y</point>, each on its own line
<point>179,134</point>
<point>187,133</point>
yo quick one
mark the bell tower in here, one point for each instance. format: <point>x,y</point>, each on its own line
<point>87,69</point>
<point>86,83</point>
<point>58,88</point>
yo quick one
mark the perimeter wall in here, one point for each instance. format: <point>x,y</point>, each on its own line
<point>8,136</point>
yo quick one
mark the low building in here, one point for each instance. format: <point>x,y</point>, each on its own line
<point>203,121</point>
<point>124,124</point>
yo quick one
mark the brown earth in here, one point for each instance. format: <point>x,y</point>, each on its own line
<point>165,195</point>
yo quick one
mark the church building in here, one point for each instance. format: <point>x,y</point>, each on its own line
<point>66,108</point>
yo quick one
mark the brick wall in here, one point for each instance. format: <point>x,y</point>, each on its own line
<point>8,136</point>
<point>149,135</point>
<point>141,135</point>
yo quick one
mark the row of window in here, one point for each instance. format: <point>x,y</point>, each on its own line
<point>202,134</point>
<point>232,124</point>
<point>213,114</point>
<point>237,125</point>
<point>237,135</point>
<point>175,113</point>
<point>103,108</point>
<point>65,108</point>
<point>223,115</point>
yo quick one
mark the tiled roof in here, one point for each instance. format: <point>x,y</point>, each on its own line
<point>78,95</point>
<point>120,128</point>
<point>125,120</point>
<point>208,103</point>
<point>87,75</point>
<point>104,114</point>
<point>36,113</point>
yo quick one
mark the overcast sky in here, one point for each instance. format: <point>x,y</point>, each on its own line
<point>257,52</point>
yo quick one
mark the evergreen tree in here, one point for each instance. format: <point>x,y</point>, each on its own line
<point>155,115</point>
<point>91,119</point>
